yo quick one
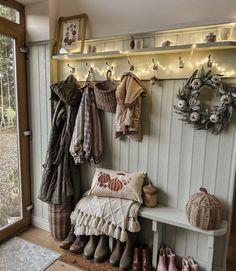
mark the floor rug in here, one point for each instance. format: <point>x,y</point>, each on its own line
<point>81,262</point>
<point>20,255</point>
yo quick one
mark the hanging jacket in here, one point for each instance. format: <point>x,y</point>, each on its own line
<point>86,143</point>
<point>128,110</point>
<point>61,176</point>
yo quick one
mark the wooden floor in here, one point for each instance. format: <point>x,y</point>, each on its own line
<point>42,238</point>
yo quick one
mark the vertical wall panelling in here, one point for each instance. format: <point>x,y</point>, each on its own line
<point>40,122</point>
<point>177,158</point>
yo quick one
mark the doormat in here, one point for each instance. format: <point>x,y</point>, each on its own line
<point>20,255</point>
<point>82,263</point>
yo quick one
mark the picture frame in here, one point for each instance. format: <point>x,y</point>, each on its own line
<point>70,34</point>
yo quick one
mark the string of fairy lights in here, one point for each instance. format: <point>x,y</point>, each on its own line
<point>151,68</point>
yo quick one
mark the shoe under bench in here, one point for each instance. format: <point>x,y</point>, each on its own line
<point>171,216</point>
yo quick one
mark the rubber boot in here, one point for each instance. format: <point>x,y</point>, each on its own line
<point>161,265</point>
<point>102,250</point>
<point>91,247</point>
<point>171,260</point>
<point>127,256</point>
<point>117,253</point>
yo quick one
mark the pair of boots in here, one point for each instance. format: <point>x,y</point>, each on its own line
<point>122,254</point>
<point>141,260</point>
<point>189,265</point>
<point>97,248</point>
<point>166,260</point>
<point>74,243</point>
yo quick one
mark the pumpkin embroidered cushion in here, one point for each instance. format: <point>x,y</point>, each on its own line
<point>118,184</point>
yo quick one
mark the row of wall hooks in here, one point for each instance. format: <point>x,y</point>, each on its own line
<point>155,66</point>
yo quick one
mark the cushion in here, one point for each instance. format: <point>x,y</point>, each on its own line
<point>118,184</point>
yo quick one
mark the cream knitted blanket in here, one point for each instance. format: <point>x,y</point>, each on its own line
<point>105,215</point>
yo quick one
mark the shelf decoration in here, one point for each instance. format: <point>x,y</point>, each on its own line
<point>189,104</point>
<point>70,34</point>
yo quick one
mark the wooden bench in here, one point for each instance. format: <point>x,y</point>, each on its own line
<point>165,215</point>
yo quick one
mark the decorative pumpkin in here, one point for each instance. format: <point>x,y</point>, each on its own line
<point>104,178</point>
<point>204,210</point>
<point>115,185</point>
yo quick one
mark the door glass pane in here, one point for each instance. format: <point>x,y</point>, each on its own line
<point>10,192</point>
<point>10,14</point>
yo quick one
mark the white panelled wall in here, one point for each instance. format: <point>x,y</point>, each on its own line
<point>177,158</point>
<point>40,122</point>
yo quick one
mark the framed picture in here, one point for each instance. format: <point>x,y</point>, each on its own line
<point>70,34</point>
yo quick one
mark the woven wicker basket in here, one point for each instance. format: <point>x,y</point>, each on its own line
<point>105,95</point>
<point>59,219</point>
<point>204,211</point>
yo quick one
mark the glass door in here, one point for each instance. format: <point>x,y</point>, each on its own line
<point>14,143</point>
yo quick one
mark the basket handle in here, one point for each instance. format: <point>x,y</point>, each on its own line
<point>203,189</point>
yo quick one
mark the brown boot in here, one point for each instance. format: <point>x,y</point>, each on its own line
<point>78,246</point>
<point>146,265</point>
<point>69,239</point>
<point>137,259</point>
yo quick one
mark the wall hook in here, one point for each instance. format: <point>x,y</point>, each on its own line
<point>72,69</point>
<point>155,65</point>
<point>209,62</point>
<point>131,65</point>
<point>110,66</point>
<point>181,63</point>
<point>90,70</point>
<point>109,71</point>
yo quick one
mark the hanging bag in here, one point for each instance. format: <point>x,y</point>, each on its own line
<point>105,94</point>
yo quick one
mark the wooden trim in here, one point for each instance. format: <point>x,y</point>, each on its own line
<point>17,6</point>
<point>17,32</point>
<point>12,4</point>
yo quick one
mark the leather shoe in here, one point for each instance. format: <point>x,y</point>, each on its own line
<point>78,246</point>
<point>91,247</point>
<point>137,259</point>
<point>185,265</point>
<point>69,239</point>
<point>146,266</point>
<point>102,249</point>
<point>192,264</point>
<point>117,253</point>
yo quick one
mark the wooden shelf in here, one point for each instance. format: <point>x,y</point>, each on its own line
<point>176,217</point>
<point>220,45</point>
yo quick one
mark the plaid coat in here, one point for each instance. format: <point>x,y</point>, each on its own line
<point>86,143</point>
<point>61,177</point>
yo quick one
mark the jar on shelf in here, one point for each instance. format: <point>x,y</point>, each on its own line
<point>210,37</point>
<point>150,195</point>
